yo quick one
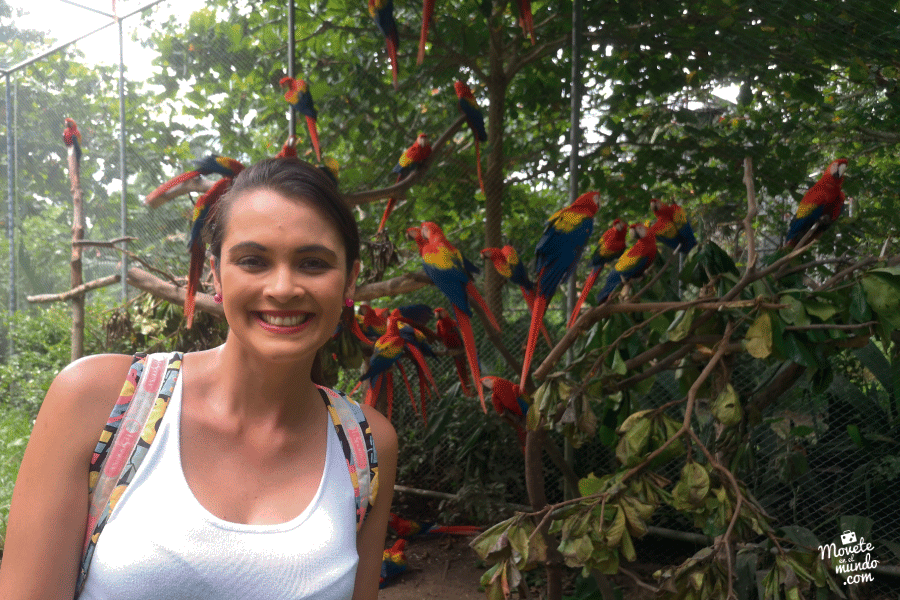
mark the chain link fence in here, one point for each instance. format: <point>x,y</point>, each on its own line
<point>803,466</point>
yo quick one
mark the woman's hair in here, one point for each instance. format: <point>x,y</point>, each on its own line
<point>293,178</point>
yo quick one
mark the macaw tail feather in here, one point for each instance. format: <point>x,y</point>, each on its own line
<point>588,285</point>
<point>463,373</point>
<point>465,328</point>
<point>478,165</point>
<point>427,12</point>
<point>356,387</point>
<point>476,296</point>
<point>526,20</point>
<point>422,365</point>
<point>314,136</point>
<point>456,529</point>
<point>409,391</point>
<point>358,332</point>
<point>392,202</point>
<point>198,253</point>
<point>389,385</point>
<point>392,53</point>
<point>529,300</point>
<point>152,199</point>
<point>537,317</point>
<point>612,282</point>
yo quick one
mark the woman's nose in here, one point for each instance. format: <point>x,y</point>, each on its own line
<point>283,284</point>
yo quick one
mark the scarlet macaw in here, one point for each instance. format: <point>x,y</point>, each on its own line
<point>213,163</point>
<point>301,102</point>
<point>406,529</point>
<point>331,168</point>
<point>393,563</point>
<point>475,119</point>
<point>448,332</point>
<point>289,149</point>
<point>557,254</point>
<point>445,265</point>
<point>383,13</point>
<point>427,14</point>
<point>411,159</point>
<point>610,247</point>
<point>506,262</point>
<point>672,227</point>
<point>72,138</point>
<point>509,402</point>
<point>822,204</point>
<point>633,262</point>
<point>387,351</point>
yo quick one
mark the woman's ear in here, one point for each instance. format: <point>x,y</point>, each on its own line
<point>350,290</point>
<point>215,273</point>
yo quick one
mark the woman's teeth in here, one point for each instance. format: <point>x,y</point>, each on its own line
<point>285,321</point>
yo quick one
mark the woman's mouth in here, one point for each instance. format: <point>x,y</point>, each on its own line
<point>283,323</point>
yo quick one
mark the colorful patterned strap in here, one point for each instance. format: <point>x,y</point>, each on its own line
<point>124,441</point>
<point>140,407</point>
<point>359,448</point>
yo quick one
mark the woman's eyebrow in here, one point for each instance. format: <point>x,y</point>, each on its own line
<point>307,249</point>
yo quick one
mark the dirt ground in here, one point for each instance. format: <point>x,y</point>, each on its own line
<point>440,567</point>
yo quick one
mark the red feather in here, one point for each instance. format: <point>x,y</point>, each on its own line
<point>427,14</point>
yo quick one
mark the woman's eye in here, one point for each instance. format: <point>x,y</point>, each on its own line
<point>250,261</point>
<point>314,263</point>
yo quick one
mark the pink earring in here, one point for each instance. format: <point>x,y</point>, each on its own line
<point>217,298</point>
<point>348,302</point>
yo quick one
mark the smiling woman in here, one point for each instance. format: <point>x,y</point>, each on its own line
<point>247,454</point>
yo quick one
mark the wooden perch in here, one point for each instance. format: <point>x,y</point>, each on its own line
<point>169,292</point>
<point>74,292</point>
<point>403,284</point>
<point>108,244</point>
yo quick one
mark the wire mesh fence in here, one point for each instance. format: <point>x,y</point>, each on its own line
<point>803,465</point>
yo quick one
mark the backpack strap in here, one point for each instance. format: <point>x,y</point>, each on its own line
<point>125,440</point>
<point>355,436</point>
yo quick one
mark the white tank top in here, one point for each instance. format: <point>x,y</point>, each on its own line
<point>162,543</point>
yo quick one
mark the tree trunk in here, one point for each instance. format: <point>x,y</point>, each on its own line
<point>76,278</point>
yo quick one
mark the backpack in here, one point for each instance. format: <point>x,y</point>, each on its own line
<point>134,421</point>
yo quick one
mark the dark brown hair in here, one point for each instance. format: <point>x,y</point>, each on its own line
<point>292,178</point>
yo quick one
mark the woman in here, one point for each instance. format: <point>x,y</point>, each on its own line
<point>245,491</point>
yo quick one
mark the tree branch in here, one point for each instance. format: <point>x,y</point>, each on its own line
<point>76,291</point>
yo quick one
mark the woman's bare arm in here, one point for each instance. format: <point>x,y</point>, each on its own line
<point>370,539</point>
<point>48,514</point>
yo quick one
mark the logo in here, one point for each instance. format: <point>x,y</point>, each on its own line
<point>848,565</point>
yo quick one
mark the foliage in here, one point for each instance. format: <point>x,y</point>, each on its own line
<point>15,423</point>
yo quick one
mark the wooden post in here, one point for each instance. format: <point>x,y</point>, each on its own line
<point>76,278</point>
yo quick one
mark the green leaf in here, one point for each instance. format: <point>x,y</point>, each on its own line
<point>859,308</point>
<point>794,314</point>
<point>822,310</point>
<point>884,298</point>
<point>727,407</point>
<point>681,325</point>
<point>759,336</point>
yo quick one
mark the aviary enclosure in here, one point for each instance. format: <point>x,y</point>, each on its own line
<point>743,396</point>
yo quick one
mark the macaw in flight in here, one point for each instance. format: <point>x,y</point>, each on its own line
<point>557,253</point>
<point>383,13</point>
<point>301,102</point>
<point>72,139</point>
<point>821,205</point>
<point>212,163</point>
<point>475,119</point>
<point>672,227</point>
<point>633,263</point>
<point>411,159</point>
<point>610,247</point>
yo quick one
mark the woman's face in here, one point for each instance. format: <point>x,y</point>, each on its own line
<point>283,274</point>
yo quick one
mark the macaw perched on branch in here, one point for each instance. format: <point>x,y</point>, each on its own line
<point>445,265</point>
<point>72,139</point>
<point>507,264</point>
<point>475,119</point>
<point>526,20</point>
<point>393,563</point>
<point>509,402</point>
<point>821,205</point>
<point>672,227</point>
<point>411,159</point>
<point>212,163</point>
<point>557,254</point>
<point>301,102</point>
<point>610,247</point>
<point>289,149</point>
<point>448,332</point>
<point>387,351</point>
<point>383,13</point>
<point>406,529</point>
<point>427,14</point>
<point>633,262</point>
